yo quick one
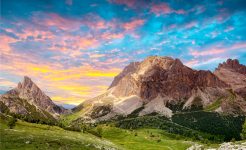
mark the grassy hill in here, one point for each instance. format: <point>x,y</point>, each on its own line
<point>37,136</point>
<point>144,139</point>
<point>31,136</point>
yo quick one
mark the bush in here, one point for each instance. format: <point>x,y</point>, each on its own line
<point>11,122</point>
<point>97,131</point>
<point>73,128</point>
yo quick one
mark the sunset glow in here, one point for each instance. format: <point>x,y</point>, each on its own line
<point>73,49</point>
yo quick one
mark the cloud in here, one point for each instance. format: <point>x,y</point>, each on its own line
<point>7,83</point>
<point>164,8</point>
<point>133,24</point>
<point>55,20</point>
<point>97,55</point>
<point>129,3</point>
<point>217,51</point>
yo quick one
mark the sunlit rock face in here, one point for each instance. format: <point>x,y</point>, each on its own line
<point>156,83</point>
<point>31,94</point>
<point>234,74</point>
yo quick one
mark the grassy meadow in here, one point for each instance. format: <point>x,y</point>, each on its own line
<point>29,136</point>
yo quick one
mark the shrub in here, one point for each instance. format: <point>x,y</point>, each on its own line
<point>11,122</point>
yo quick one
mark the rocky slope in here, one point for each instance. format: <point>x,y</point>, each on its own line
<point>234,74</point>
<point>161,85</point>
<point>27,99</point>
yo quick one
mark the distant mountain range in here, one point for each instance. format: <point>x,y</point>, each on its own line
<point>157,85</point>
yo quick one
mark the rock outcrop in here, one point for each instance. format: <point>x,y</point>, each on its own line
<point>232,73</point>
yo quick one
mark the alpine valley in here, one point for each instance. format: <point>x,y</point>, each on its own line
<point>158,103</point>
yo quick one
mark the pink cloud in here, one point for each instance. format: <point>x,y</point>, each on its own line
<point>129,3</point>
<point>159,9</point>
<point>133,24</point>
<point>164,8</point>
<point>53,19</point>
<point>110,36</point>
<point>4,43</point>
<point>191,63</point>
<point>190,24</point>
<point>217,51</point>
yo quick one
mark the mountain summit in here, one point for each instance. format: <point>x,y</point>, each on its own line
<point>28,99</point>
<point>161,85</point>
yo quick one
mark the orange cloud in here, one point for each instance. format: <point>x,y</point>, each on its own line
<point>110,36</point>
<point>97,55</point>
<point>72,85</point>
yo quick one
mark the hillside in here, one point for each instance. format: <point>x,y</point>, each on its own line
<point>36,136</point>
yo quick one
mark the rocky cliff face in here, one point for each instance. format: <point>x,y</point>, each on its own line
<point>157,85</point>
<point>26,94</point>
<point>234,74</point>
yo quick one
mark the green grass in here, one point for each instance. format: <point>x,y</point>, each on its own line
<point>67,119</point>
<point>27,136</point>
<point>31,136</point>
<point>214,105</point>
<point>144,139</point>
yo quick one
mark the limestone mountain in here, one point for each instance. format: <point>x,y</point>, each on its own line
<point>160,85</point>
<point>234,74</point>
<point>27,99</point>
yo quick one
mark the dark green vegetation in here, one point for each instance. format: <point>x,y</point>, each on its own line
<point>227,126</point>
<point>3,108</point>
<point>11,122</point>
<point>162,123</point>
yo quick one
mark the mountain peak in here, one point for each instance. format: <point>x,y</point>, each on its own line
<point>233,64</point>
<point>27,82</point>
<point>29,91</point>
<point>163,62</point>
<point>127,70</point>
<point>27,79</point>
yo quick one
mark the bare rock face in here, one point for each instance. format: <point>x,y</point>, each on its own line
<point>127,70</point>
<point>166,77</point>
<point>233,64</point>
<point>29,92</point>
<point>156,83</point>
<point>232,73</point>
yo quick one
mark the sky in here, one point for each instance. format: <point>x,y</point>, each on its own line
<point>72,49</point>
